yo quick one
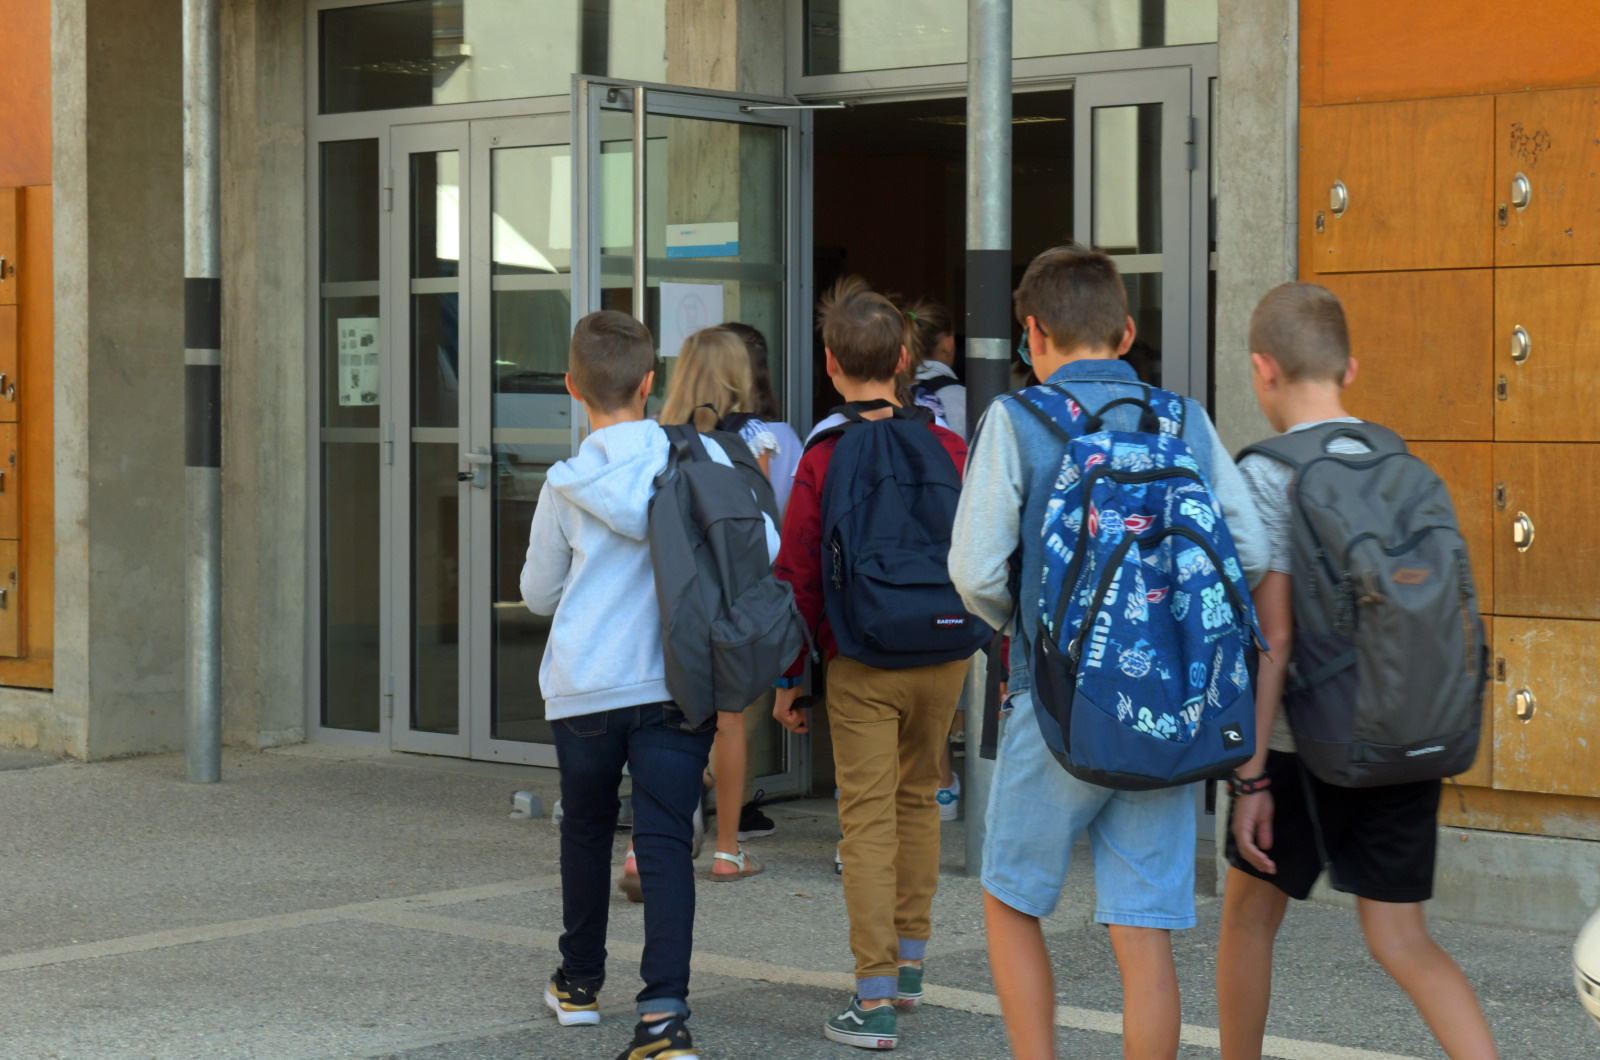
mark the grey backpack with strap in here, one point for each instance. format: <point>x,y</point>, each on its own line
<point>1387,675</point>
<point>729,626</point>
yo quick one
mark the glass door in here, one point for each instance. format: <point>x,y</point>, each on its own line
<point>711,226</point>
<point>1135,157</point>
<point>480,269</point>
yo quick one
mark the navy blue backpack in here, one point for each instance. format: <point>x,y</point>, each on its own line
<point>1144,659</point>
<point>888,506</point>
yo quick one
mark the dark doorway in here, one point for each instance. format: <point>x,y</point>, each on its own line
<point>891,191</point>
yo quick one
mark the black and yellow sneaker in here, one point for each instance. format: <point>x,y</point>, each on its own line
<point>576,1002</point>
<point>666,1039</point>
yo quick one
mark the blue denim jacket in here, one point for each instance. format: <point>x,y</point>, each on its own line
<point>1010,472</point>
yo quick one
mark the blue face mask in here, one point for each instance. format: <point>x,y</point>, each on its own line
<point>1024,352</point>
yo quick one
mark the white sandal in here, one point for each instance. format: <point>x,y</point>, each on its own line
<point>747,863</point>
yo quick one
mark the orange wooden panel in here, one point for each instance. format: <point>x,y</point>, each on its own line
<point>1380,49</point>
<point>10,486</point>
<point>1482,772</point>
<point>1558,664</point>
<point>1468,470</point>
<point>1549,138</point>
<point>1419,176</point>
<point>1558,575</point>
<point>1552,395</point>
<point>25,93</point>
<point>11,640</point>
<point>10,232</point>
<point>10,338</point>
<point>1566,816</point>
<point>1424,342</point>
<point>36,456</point>
<point>1311,52</point>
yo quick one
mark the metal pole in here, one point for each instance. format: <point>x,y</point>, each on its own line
<point>988,302</point>
<point>640,235</point>
<point>202,379</point>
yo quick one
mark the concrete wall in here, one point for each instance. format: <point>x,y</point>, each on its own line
<point>1258,59</point>
<point>116,81</point>
<point>264,372</point>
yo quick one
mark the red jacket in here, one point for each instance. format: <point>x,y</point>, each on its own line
<point>800,557</point>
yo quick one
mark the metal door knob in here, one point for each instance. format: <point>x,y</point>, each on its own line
<point>1521,192</point>
<point>1524,704</point>
<point>1521,344</point>
<point>1338,198</point>
<point>1522,532</point>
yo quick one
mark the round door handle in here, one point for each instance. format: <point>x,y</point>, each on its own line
<point>1523,703</point>
<point>1522,532</point>
<point>1521,192</point>
<point>1521,344</point>
<point>1338,198</point>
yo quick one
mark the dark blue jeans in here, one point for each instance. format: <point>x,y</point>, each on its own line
<point>665,763</point>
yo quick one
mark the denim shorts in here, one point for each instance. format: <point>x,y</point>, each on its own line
<point>1143,841</point>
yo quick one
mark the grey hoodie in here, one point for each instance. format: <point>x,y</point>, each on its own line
<point>589,565</point>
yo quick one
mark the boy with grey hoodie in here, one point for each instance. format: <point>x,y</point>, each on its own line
<point>603,677</point>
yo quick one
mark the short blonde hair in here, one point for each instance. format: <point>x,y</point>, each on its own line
<point>1301,326</point>
<point>713,369</point>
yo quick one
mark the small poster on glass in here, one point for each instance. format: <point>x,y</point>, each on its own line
<point>358,360</point>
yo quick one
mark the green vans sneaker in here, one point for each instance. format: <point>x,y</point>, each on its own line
<point>870,1028</point>
<point>910,987</point>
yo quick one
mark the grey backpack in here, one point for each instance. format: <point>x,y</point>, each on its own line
<point>729,626</point>
<point>1387,675</point>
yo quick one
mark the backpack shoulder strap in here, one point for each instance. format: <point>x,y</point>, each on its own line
<point>735,422</point>
<point>937,383</point>
<point>750,470</point>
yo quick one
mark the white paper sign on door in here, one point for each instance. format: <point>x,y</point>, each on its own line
<point>358,360</point>
<point>685,309</point>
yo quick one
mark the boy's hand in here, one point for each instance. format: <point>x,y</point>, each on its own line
<point>785,713</point>
<point>1252,829</point>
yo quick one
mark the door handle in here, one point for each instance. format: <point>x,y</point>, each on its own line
<point>1521,344</point>
<point>1338,198</point>
<point>1523,703</point>
<point>1521,192</point>
<point>479,461</point>
<point>1522,532</point>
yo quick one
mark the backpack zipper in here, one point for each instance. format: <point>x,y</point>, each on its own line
<point>1075,569</point>
<point>1121,551</point>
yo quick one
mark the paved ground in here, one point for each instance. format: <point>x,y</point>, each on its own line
<point>332,904</point>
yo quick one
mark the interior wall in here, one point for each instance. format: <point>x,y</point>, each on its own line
<point>25,94</point>
<point>889,210</point>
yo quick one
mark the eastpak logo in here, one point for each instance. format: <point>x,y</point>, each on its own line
<point>1425,751</point>
<point>949,621</point>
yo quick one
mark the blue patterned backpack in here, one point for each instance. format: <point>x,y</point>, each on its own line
<point>1145,656</point>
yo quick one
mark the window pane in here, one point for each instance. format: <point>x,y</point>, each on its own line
<point>349,380</point>
<point>422,52</point>
<point>848,35</point>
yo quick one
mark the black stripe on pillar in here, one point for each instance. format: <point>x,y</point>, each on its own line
<point>202,419</point>
<point>989,294</point>
<point>202,314</point>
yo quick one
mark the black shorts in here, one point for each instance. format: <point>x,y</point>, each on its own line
<point>1379,842</point>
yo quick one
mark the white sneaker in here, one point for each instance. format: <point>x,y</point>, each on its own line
<point>838,862</point>
<point>949,800</point>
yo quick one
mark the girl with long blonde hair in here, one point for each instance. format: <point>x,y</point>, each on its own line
<point>712,387</point>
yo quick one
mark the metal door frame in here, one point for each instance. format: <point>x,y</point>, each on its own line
<point>396,399</point>
<point>487,136</point>
<point>591,96</point>
<point>1181,155</point>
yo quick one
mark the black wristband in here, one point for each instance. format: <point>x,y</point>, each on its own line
<point>1238,785</point>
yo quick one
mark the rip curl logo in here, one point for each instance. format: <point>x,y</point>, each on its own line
<point>1137,524</point>
<point>1164,726</point>
<point>1135,662</point>
<point>1197,675</point>
<point>1214,606</point>
<point>1202,514</point>
<point>1232,735</point>
<point>1074,409</point>
<point>1100,635</point>
<point>1093,460</point>
<point>1155,596</point>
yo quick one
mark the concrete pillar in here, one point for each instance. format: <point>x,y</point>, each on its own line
<point>264,484</point>
<point>1258,54</point>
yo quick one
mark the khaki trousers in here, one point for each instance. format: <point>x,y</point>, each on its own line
<point>889,727</point>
